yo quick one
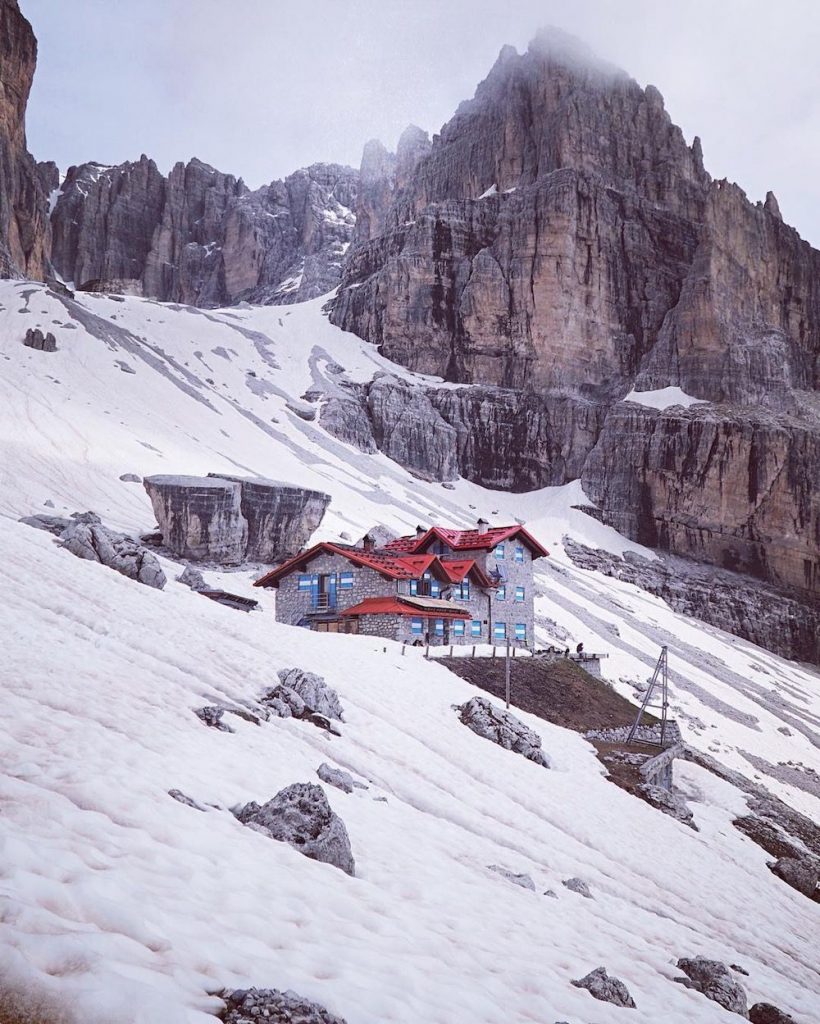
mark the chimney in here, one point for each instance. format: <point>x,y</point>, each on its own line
<point>420,532</point>
<point>482,526</point>
<point>367,542</point>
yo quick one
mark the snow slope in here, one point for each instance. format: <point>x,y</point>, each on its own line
<point>120,904</point>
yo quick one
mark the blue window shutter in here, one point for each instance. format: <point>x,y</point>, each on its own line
<point>414,587</point>
<point>499,551</point>
<point>519,594</point>
<point>458,627</point>
<point>500,631</point>
<point>346,580</point>
<point>519,552</point>
<point>520,631</point>
<point>439,627</point>
<point>417,626</point>
<point>435,588</point>
<point>304,582</point>
<point>476,627</point>
<point>501,593</point>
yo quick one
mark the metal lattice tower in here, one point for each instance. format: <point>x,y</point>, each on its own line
<point>660,679</point>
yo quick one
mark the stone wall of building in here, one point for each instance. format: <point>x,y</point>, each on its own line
<point>294,605</point>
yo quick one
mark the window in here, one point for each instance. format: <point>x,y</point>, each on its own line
<point>499,551</point>
<point>475,627</point>
<point>417,627</point>
<point>461,591</point>
<point>305,582</point>
<point>345,580</point>
<point>501,593</point>
<point>439,627</point>
<point>458,627</point>
<point>499,631</point>
<point>519,594</point>
<point>519,552</point>
<point>427,586</point>
<point>521,631</point>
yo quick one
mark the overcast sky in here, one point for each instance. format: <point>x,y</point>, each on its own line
<point>261,87</point>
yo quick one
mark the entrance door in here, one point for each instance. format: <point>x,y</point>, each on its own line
<point>326,597</point>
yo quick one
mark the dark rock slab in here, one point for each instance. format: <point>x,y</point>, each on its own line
<point>715,981</point>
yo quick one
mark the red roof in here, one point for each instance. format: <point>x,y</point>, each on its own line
<point>405,557</point>
<point>387,563</point>
<point>464,540</point>
<point>393,606</point>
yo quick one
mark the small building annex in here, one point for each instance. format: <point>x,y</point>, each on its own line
<point>438,586</point>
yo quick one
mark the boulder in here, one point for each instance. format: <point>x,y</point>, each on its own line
<point>86,537</point>
<point>799,873</point>
<point>493,723</point>
<point>714,980</point>
<point>525,881</point>
<point>249,1006</point>
<point>192,578</point>
<point>765,1013</point>
<point>131,478</point>
<point>340,779</point>
<point>670,803</point>
<point>300,815</point>
<point>183,798</point>
<point>608,989</point>
<point>212,717</point>
<point>578,885</point>
<point>318,697</point>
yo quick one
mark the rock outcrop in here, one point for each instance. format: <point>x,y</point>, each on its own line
<point>772,617</point>
<point>40,342</point>
<point>301,816</point>
<point>25,235</point>
<point>202,237</point>
<point>499,726</point>
<point>231,520</point>
<point>523,880</point>
<point>606,988</point>
<point>560,243</point>
<point>715,981</point>
<point>313,691</point>
<point>248,1006</point>
<point>86,537</point>
<point>800,874</point>
<point>766,1013</point>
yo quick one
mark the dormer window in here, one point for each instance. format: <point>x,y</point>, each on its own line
<point>427,586</point>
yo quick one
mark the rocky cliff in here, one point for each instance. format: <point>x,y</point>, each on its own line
<point>201,237</point>
<point>24,186</point>
<point>559,245</point>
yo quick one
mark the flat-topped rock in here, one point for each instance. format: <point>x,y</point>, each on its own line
<point>230,519</point>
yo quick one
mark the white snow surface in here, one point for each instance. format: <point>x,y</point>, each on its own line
<point>120,904</point>
<point>663,398</point>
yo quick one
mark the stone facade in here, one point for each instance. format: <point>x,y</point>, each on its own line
<point>492,617</point>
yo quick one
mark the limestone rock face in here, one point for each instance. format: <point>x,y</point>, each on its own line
<point>766,615</point>
<point>736,489</point>
<point>498,437</point>
<point>201,237</point>
<point>25,236</point>
<point>799,874</point>
<point>560,243</point>
<point>230,520</point>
